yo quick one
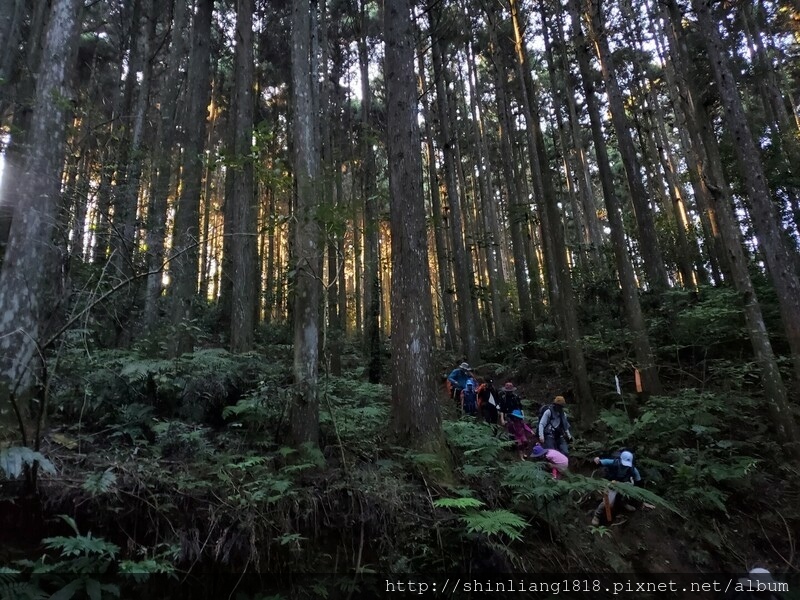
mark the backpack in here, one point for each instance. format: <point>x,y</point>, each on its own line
<point>509,402</point>
<point>470,400</point>
<point>543,409</point>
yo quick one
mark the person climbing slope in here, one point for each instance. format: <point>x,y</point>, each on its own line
<point>621,470</point>
<point>509,402</point>
<point>554,427</point>
<point>469,399</point>
<point>457,380</point>
<point>488,401</point>
<point>556,462</point>
<point>523,435</point>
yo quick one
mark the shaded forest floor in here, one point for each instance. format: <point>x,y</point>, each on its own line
<point>182,466</point>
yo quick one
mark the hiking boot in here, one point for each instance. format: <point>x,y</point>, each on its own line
<point>595,521</point>
<point>629,508</point>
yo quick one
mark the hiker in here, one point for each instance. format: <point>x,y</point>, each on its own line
<point>509,402</point>
<point>523,435</point>
<point>557,463</point>
<point>488,401</point>
<point>758,585</point>
<point>554,428</point>
<point>457,380</point>
<point>620,469</point>
<point>469,398</point>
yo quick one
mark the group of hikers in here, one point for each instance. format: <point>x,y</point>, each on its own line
<point>549,443</point>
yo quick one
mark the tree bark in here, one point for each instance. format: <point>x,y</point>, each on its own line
<point>244,245</point>
<point>29,281</point>
<point>186,238</point>
<point>415,416</point>
<point>372,280</point>
<point>306,145</point>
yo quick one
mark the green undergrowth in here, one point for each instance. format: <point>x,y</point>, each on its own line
<point>168,467</point>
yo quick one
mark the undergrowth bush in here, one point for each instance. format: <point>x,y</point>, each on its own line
<point>697,446</point>
<point>196,386</point>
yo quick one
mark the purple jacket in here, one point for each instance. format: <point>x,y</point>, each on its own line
<point>520,430</point>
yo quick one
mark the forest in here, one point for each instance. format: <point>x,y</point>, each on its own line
<point>245,245</point>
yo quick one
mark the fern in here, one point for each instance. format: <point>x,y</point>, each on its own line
<point>22,590</point>
<point>458,503</point>
<point>140,370</point>
<point>475,441</point>
<point>429,461</point>
<point>141,570</point>
<point>495,522</point>
<point>100,483</point>
<point>81,545</point>
<point>14,459</point>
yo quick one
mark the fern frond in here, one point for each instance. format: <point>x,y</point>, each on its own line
<point>22,590</point>
<point>458,503</point>
<point>12,461</point>
<point>494,522</point>
<point>100,483</point>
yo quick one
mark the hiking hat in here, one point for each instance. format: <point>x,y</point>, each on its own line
<point>470,383</point>
<point>757,575</point>
<point>509,387</point>
<point>559,400</point>
<point>465,366</point>
<point>626,459</point>
<point>538,451</point>
<point>518,413</point>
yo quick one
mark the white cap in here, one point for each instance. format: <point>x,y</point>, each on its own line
<point>626,459</point>
<point>758,575</point>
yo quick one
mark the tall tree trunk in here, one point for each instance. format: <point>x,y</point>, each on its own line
<point>552,226</point>
<point>649,246</point>
<point>517,211</point>
<point>24,99</point>
<point>681,92</point>
<point>12,15</point>
<point>229,221</point>
<point>445,281</point>
<point>487,209</point>
<point>306,145</point>
<point>780,411</point>
<point>121,256</point>
<point>467,321</point>
<point>163,161</point>
<point>583,233</point>
<point>779,259</point>
<point>372,281</point>
<point>583,176</point>
<point>31,270</point>
<point>630,295</point>
<point>415,406</point>
<point>186,237</point>
<point>244,246</point>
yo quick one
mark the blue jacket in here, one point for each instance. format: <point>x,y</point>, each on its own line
<point>458,377</point>
<point>615,473</point>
